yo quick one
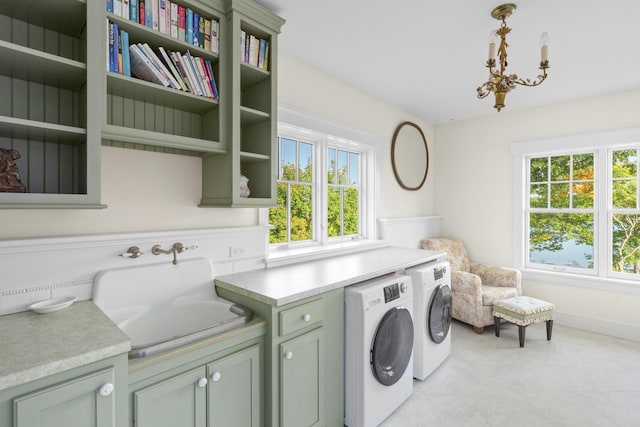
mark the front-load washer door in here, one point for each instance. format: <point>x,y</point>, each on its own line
<point>392,346</point>
<point>439,314</point>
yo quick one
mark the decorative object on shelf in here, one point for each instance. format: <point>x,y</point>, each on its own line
<point>244,186</point>
<point>9,176</point>
<point>51,305</point>
<point>410,156</point>
<point>500,83</point>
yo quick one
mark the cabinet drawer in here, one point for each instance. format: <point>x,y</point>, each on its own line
<point>300,317</point>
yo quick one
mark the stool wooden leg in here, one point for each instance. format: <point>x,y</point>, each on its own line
<point>521,330</point>
<point>496,323</point>
<point>549,329</point>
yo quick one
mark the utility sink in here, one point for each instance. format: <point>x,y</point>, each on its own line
<point>163,306</point>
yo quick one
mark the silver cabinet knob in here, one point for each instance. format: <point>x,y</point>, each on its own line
<point>202,382</point>
<point>106,389</point>
<point>215,377</point>
<point>307,317</point>
<point>288,355</point>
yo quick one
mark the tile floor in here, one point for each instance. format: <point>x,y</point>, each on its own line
<point>576,379</point>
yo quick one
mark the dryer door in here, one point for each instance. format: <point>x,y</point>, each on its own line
<point>439,314</point>
<point>392,346</point>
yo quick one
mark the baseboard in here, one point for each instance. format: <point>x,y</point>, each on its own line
<point>599,326</point>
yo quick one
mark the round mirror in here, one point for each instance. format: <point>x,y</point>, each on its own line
<point>410,156</point>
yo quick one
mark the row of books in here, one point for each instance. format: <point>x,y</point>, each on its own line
<point>171,69</point>
<point>168,17</point>
<point>254,50</point>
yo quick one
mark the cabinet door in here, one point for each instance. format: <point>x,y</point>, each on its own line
<point>82,402</point>
<point>302,380</point>
<point>177,401</point>
<point>234,391</point>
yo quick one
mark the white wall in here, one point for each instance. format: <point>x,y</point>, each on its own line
<point>148,191</point>
<point>474,192</point>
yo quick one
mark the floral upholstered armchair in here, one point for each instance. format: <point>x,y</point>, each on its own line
<point>474,287</point>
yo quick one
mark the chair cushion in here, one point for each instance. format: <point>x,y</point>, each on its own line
<point>491,294</point>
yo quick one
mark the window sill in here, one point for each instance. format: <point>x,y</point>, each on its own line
<point>619,286</point>
<point>280,257</point>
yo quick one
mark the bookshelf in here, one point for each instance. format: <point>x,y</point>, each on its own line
<point>45,84</point>
<point>63,103</point>
<point>251,120</point>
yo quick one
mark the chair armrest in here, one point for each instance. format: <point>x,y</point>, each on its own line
<point>494,275</point>
<point>466,283</point>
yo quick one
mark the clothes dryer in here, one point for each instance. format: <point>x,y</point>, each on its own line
<point>378,349</point>
<point>432,316</point>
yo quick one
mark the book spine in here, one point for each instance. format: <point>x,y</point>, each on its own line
<point>174,20</point>
<point>141,12</point>
<point>167,18</point>
<point>263,44</point>
<point>196,28</point>
<point>109,46</point>
<point>204,77</point>
<point>243,45</point>
<point>178,60</point>
<point>212,76</point>
<point>189,23</point>
<point>126,61</point>
<point>201,32</point>
<point>155,15</point>
<point>215,46</point>
<point>126,9</point>
<point>193,74</point>
<point>117,7</point>
<point>110,6</point>
<point>148,13</point>
<point>182,23</point>
<point>133,10</point>
<point>207,34</point>
<point>265,66</point>
<point>252,50</point>
<point>162,16</point>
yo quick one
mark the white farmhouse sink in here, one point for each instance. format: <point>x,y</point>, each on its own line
<point>162,306</point>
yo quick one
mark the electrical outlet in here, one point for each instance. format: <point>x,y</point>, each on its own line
<point>237,251</point>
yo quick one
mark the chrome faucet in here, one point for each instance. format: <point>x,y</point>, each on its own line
<point>175,250</point>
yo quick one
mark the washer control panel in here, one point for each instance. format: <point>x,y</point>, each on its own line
<point>392,292</point>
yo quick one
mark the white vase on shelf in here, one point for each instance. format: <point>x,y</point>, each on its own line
<point>244,186</point>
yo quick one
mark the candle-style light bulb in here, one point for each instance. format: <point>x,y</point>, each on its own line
<point>493,38</point>
<point>544,47</point>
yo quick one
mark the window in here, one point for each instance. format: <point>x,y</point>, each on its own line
<point>581,208</point>
<point>321,189</point>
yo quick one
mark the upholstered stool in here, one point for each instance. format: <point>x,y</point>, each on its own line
<point>523,311</point>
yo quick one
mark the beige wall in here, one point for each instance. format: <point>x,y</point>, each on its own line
<point>474,188</point>
<point>149,191</point>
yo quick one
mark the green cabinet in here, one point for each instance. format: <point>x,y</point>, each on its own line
<point>303,359</point>
<point>215,391</point>
<point>302,380</point>
<point>91,396</point>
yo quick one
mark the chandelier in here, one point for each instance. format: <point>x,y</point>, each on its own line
<point>499,82</point>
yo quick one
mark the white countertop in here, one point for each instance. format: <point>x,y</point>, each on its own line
<point>283,285</point>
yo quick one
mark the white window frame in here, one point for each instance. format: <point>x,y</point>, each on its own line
<point>323,134</point>
<point>602,143</point>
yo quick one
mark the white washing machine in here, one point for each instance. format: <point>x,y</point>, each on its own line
<point>432,316</point>
<point>378,349</point>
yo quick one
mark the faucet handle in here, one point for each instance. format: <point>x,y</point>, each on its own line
<point>132,252</point>
<point>190,248</point>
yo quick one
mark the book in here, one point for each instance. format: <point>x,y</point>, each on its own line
<point>174,20</point>
<point>133,10</point>
<point>171,67</point>
<point>243,45</point>
<point>162,16</point>
<point>207,34</point>
<point>126,62</point>
<point>148,13</point>
<point>178,60</point>
<point>159,65</point>
<point>141,12</point>
<point>196,28</point>
<point>215,42</point>
<point>117,7</point>
<point>193,74</point>
<point>212,76</point>
<point>109,46</point>
<point>182,23</point>
<point>253,55</point>
<point>189,26</point>
<point>208,91</point>
<point>265,66</point>
<point>126,9</point>
<point>261,52</point>
<point>110,6</point>
<point>201,32</point>
<point>155,15</point>
<point>167,18</point>
<point>141,66</point>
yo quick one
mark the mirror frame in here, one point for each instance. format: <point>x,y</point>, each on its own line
<point>396,144</point>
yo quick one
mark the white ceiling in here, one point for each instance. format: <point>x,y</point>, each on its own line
<point>427,57</point>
